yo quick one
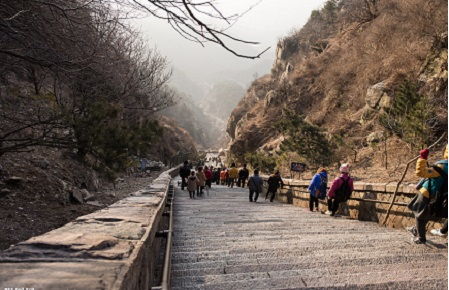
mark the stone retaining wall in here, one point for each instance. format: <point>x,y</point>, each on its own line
<point>113,248</point>
<point>400,216</point>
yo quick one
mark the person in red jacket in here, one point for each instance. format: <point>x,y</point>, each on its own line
<point>208,174</point>
<point>340,190</point>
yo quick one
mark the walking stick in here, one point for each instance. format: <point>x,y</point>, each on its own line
<point>403,176</point>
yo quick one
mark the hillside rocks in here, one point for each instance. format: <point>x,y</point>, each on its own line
<point>174,144</point>
<point>42,201</point>
<point>375,137</point>
<point>87,196</point>
<point>341,75</point>
<point>255,93</point>
<point>434,70</point>
<point>76,196</point>
<point>285,49</point>
<point>377,97</point>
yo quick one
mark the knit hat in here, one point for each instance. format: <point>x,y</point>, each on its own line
<point>344,168</point>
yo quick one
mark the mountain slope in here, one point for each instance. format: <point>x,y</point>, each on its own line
<point>344,70</point>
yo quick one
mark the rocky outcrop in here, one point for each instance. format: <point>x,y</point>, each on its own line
<point>350,81</point>
<point>433,77</point>
<point>377,96</point>
<point>253,96</point>
<point>174,144</point>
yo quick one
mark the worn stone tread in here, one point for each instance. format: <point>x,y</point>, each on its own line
<point>226,242</point>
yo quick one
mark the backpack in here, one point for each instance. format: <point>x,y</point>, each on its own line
<point>438,205</point>
<point>344,192</point>
<point>322,188</point>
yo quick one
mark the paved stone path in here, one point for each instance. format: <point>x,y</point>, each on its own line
<point>226,242</point>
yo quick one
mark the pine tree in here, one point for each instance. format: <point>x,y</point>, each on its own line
<point>306,139</point>
<point>410,116</point>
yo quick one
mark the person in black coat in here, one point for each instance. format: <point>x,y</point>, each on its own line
<point>184,172</point>
<point>243,176</point>
<point>216,176</point>
<point>274,182</point>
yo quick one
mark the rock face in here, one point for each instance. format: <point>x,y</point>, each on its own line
<point>76,196</point>
<point>377,97</point>
<point>326,73</point>
<point>174,145</point>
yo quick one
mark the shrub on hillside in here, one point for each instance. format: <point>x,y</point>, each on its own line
<point>260,160</point>
<point>411,116</point>
<point>306,139</point>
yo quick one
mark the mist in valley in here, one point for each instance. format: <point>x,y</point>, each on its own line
<point>210,81</point>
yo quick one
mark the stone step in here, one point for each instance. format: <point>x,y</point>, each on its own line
<point>298,283</point>
<point>225,242</point>
<point>185,270</point>
<point>321,277</point>
<point>300,241</point>
<point>277,253</point>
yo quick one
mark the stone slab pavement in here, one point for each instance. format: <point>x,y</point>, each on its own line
<point>225,242</point>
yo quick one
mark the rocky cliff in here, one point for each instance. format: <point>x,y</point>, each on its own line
<point>343,71</point>
<point>174,145</point>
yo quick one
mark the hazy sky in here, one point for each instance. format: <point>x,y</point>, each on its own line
<point>266,23</point>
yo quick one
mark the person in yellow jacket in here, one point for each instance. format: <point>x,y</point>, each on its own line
<point>233,175</point>
<point>435,181</point>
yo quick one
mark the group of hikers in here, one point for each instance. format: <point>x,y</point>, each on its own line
<point>429,204</point>
<point>203,178</point>
<point>340,190</point>
<point>196,181</point>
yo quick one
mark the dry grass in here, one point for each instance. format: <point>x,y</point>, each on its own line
<point>330,86</point>
<point>389,48</point>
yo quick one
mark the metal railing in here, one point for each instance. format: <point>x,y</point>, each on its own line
<point>166,272</point>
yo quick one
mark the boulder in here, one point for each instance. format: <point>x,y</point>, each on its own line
<point>376,96</point>
<point>76,196</point>
<point>269,97</point>
<point>287,71</point>
<point>375,137</point>
<point>87,196</point>
<point>385,101</point>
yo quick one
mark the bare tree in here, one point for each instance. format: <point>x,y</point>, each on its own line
<point>189,18</point>
<point>359,11</point>
<point>60,61</point>
<point>72,70</point>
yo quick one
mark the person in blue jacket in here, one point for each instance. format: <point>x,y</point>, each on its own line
<point>434,181</point>
<point>317,188</point>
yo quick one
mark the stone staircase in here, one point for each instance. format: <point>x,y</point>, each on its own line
<point>226,242</point>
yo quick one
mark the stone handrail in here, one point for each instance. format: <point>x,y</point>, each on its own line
<point>112,248</point>
<point>369,201</point>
